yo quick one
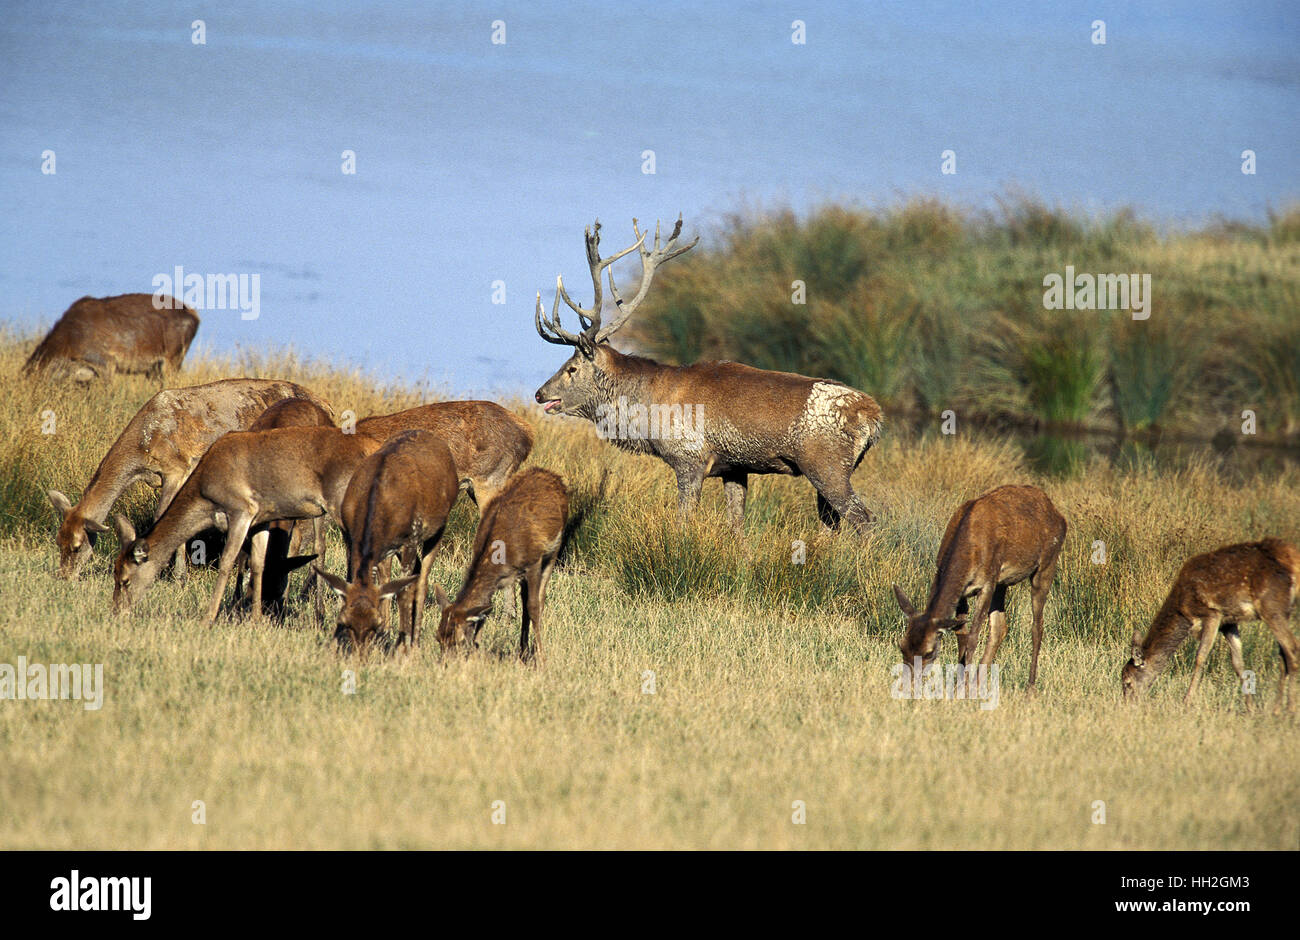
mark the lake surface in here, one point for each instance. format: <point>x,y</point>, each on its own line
<point>479,163</point>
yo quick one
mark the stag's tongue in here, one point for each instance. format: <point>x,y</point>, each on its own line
<point>551,405</point>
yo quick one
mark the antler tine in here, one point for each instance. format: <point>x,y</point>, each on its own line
<point>557,334</point>
<point>650,260</point>
<point>590,317</point>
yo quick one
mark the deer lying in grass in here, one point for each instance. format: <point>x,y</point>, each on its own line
<point>1000,539</point>
<point>98,336</point>
<point>160,446</point>
<point>1215,592</point>
<point>398,501</point>
<point>710,419</point>
<point>246,479</point>
<point>280,540</point>
<point>518,539</point>
<point>487,442</point>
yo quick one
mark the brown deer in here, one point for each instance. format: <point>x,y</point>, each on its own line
<point>711,419</point>
<point>160,446</point>
<point>1215,593</point>
<point>246,479</point>
<point>98,336</point>
<point>397,502</point>
<point>1000,539</point>
<point>518,539</point>
<point>487,442</point>
<point>269,587</point>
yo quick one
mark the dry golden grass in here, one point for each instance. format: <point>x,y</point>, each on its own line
<point>771,680</point>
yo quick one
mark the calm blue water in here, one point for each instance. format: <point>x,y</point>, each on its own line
<point>478,162</point>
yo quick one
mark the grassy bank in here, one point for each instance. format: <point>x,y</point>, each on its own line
<point>771,680</point>
<point>929,308</point>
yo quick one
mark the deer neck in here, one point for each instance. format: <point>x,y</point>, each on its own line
<point>188,515</point>
<point>623,382</point>
<point>1167,633</point>
<point>949,587</point>
<point>114,474</point>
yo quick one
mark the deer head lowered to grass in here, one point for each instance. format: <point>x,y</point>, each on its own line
<point>742,420</point>
<point>1006,536</point>
<point>1215,592</point>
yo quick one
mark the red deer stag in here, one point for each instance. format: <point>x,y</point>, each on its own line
<point>711,419</point>
<point>518,539</point>
<point>1214,593</point>
<point>1000,539</point>
<point>98,336</point>
<point>160,446</point>
<point>487,442</point>
<point>246,479</point>
<point>398,502</point>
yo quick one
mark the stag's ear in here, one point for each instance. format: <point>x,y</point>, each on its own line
<point>125,531</point>
<point>393,588</point>
<point>61,503</point>
<point>1137,648</point>
<point>140,551</point>
<point>440,596</point>
<point>337,584</point>
<point>958,625</point>
<point>903,602</point>
<point>97,527</point>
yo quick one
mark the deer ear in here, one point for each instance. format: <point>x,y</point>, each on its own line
<point>61,503</point>
<point>294,562</point>
<point>904,604</point>
<point>337,584</point>
<point>125,531</point>
<point>140,551</point>
<point>393,588</point>
<point>440,596</point>
<point>958,625</point>
<point>97,527</point>
<point>1137,648</point>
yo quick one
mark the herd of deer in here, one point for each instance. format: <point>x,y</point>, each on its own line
<point>259,457</point>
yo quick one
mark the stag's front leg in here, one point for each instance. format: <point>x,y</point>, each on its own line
<point>690,481</point>
<point>236,532</point>
<point>1209,633</point>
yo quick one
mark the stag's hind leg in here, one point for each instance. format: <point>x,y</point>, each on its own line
<point>1040,583</point>
<point>1289,649</point>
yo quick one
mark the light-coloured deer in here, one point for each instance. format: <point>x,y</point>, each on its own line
<point>1215,593</point>
<point>98,336</point>
<point>1006,536</point>
<point>278,542</point>
<point>397,502</point>
<point>487,442</point>
<point>160,446</point>
<point>710,419</point>
<point>518,539</point>
<point>246,479</point>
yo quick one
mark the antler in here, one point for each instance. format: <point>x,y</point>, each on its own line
<point>650,260</point>
<point>593,332</point>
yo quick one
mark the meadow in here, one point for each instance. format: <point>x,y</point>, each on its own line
<point>695,691</point>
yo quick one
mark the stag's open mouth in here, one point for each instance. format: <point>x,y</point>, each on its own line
<point>550,405</point>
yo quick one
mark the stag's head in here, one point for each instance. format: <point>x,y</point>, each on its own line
<point>75,538</point>
<point>578,387</point>
<point>359,622</point>
<point>130,577</point>
<point>1137,674</point>
<point>923,633</point>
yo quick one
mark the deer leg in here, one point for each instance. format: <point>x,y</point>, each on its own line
<point>836,501</point>
<point>690,480</point>
<point>525,602</point>
<point>997,625</point>
<point>735,487</point>
<point>973,626</point>
<point>1232,636</point>
<point>236,532</point>
<point>257,568</point>
<point>429,549</point>
<point>1040,583</point>
<point>1209,633</point>
<point>1289,649</point>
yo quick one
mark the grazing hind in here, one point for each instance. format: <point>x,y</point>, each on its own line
<point>518,539</point>
<point>1215,592</point>
<point>1007,535</point>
